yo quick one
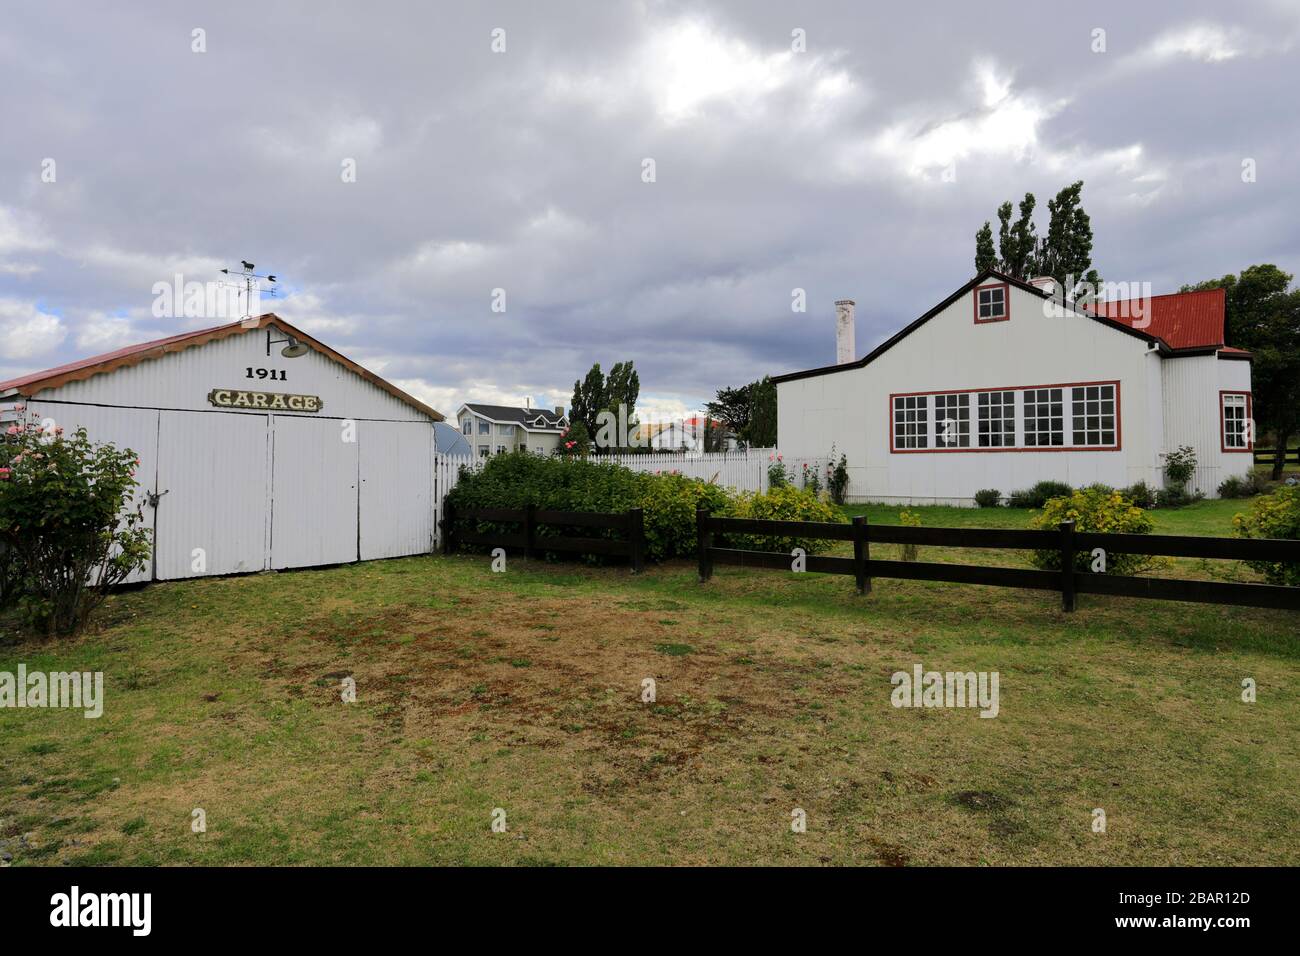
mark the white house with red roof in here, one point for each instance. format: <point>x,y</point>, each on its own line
<point>1004,383</point>
<point>260,447</point>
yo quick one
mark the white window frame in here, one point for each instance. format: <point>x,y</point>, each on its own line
<point>1054,427</point>
<point>1088,415</point>
<point>952,406</point>
<point>1234,438</point>
<point>910,434</point>
<point>989,426</point>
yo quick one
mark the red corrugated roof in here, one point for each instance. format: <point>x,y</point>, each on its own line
<point>33,377</point>
<point>1183,320</point>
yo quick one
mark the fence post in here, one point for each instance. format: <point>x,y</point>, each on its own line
<point>1067,565</point>
<point>636,536</point>
<point>861,553</point>
<point>448,516</point>
<point>704,541</point>
<point>530,530</point>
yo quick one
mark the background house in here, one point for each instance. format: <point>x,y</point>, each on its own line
<point>497,429</point>
<point>1004,384</point>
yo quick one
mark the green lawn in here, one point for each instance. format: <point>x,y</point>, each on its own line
<point>522,691</point>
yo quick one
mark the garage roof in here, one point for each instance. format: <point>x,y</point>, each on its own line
<point>28,385</point>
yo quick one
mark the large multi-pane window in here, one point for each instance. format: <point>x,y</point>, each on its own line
<point>996,419</point>
<point>1044,418</point>
<point>952,420</point>
<point>1236,433</point>
<point>911,422</point>
<point>484,428</point>
<point>1092,413</point>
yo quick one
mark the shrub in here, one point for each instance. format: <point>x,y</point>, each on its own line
<point>812,480</point>
<point>1095,510</point>
<point>837,477</point>
<point>1180,465</point>
<point>776,473</point>
<point>1273,516</point>
<point>1140,495</point>
<point>910,519</point>
<point>1247,486</point>
<point>1176,497</point>
<point>783,504</point>
<point>65,537</point>
<point>988,497</point>
<point>1039,494</point>
<point>572,484</point>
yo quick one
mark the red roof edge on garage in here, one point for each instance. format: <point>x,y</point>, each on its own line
<point>34,382</point>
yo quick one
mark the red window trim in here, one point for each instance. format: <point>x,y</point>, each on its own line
<point>1006,303</point>
<point>1250,417</point>
<point>1119,421</point>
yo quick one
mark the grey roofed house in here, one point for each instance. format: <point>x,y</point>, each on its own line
<point>531,418</point>
<point>498,429</point>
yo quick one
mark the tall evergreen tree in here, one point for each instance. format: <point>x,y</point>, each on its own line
<point>985,256</point>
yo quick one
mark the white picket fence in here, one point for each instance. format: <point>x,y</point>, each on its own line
<point>446,472</point>
<point>741,470</point>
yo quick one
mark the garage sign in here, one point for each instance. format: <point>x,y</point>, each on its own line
<point>264,401</point>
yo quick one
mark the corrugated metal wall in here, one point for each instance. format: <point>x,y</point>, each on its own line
<point>313,492</point>
<point>396,499</point>
<point>1191,415</point>
<point>212,482</point>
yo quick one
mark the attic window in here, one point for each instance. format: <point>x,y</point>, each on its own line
<point>991,303</point>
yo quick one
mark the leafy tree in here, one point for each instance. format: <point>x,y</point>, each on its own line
<point>1023,254</point>
<point>732,408</point>
<point>1017,241</point>
<point>589,399</point>
<point>748,412</point>
<point>762,414</point>
<point>597,393</point>
<point>985,256</point>
<point>1263,317</point>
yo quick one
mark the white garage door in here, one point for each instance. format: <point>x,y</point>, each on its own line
<point>396,488</point>
<point>133,428</point>
<point>212,478</point>
<point>313,493</point>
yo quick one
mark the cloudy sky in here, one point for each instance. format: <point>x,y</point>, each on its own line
<point>859,166</point>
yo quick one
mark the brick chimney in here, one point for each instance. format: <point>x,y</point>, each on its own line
<point>844,348</point>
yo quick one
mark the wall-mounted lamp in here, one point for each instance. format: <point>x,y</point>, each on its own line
<point>294,349</point>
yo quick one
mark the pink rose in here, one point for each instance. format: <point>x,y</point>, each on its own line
<point>11,430</point>
<point>58,430</point>
<point>4,474</point>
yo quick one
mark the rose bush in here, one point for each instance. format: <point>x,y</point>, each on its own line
<point>66,536</point>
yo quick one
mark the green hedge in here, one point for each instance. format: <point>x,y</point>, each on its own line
<point>668,501</point>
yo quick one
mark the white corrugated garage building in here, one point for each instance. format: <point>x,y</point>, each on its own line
<point>258,445</point>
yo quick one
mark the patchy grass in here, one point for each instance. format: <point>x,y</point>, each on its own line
<point>523,691</point>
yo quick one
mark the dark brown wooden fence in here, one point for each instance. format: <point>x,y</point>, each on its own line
<point>1267,456</point>
<point>527,540</point>
<point>1068,581</point>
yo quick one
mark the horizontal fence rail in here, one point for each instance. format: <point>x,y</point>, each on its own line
<point>1065,540</point>
<point>1268,456</point>
<point>631,523</point>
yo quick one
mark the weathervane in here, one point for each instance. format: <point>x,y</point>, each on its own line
<point>251,283</point>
